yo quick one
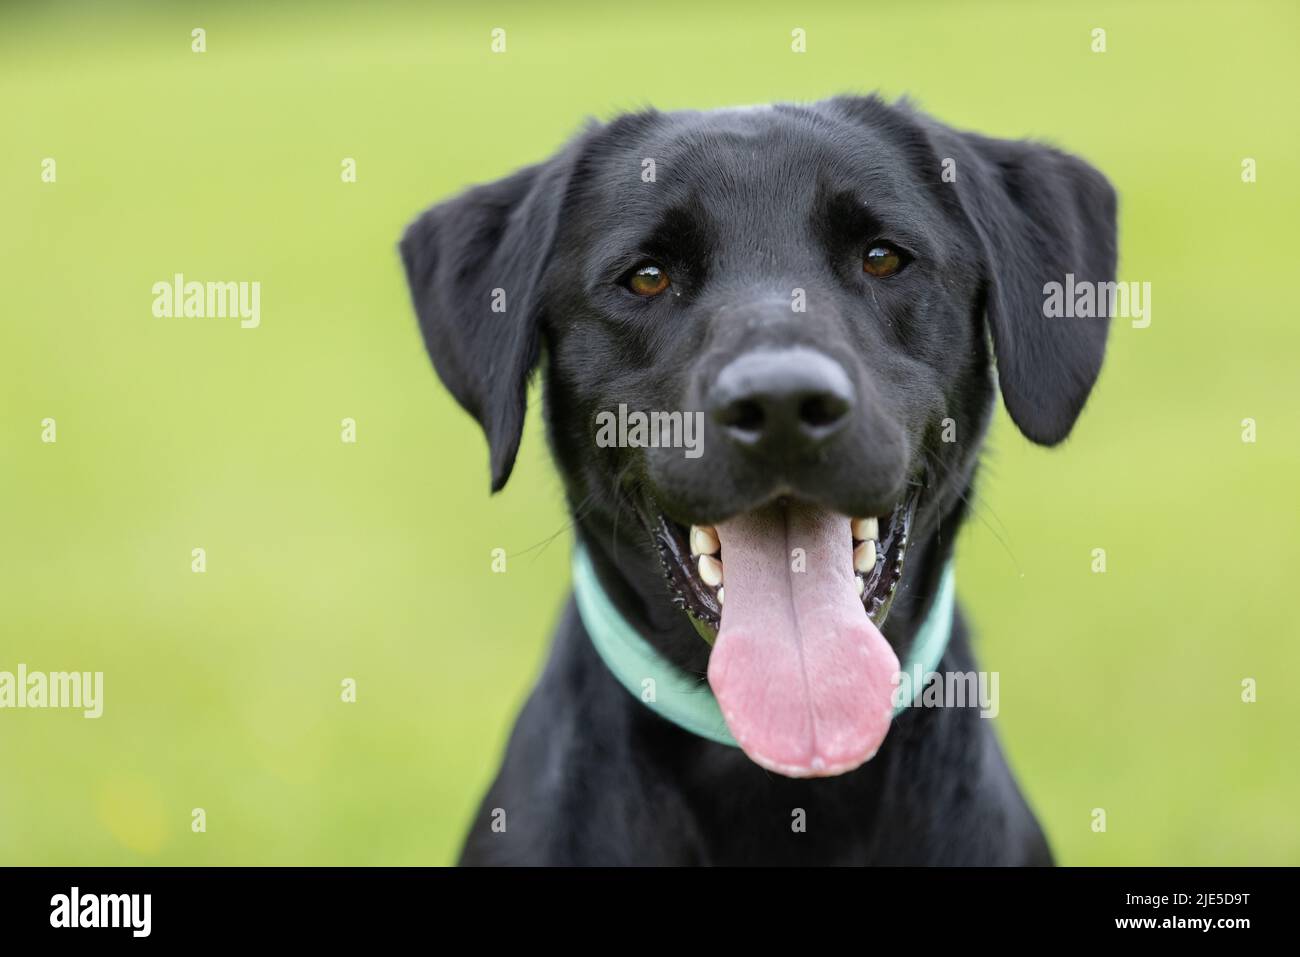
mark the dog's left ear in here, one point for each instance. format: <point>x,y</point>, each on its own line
<point>1040,215</point>
<point>475,265</point>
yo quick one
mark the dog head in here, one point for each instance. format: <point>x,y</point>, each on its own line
<point>792,322</point>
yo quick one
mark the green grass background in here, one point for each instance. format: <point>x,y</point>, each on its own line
<point>1119,690</point>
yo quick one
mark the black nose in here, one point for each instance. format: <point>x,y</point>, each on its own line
<point>782,402</point>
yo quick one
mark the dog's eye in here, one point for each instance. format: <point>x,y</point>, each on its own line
<point>883,260</point>
<point>647,280</point>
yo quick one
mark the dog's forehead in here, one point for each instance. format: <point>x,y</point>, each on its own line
<point>775,152</point>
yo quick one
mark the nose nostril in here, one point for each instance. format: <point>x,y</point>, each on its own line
<point>824,409</point>
<point>743,415</point>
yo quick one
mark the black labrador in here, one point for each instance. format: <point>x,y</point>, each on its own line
<point>834,293</point>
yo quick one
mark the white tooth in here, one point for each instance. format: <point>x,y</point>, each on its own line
<point>862,584</point>
<point>704,540</point>
<point>864,556</point>
<point>865,529</point>
<point>710,570</point>
<point>720,595</point>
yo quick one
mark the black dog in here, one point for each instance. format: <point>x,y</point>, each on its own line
<point>828,286</point>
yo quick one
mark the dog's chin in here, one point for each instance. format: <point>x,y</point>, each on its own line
<point>792,596</point>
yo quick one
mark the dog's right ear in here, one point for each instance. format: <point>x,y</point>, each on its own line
<point>475,266</point>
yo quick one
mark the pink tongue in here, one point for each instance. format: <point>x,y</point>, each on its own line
<point>804,679</point>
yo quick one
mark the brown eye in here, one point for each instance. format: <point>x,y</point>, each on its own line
<point>648,280</point>
<point>881,261</point>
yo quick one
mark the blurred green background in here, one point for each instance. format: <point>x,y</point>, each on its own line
<point>371,561</point>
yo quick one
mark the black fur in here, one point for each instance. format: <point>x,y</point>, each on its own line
<point>748,205</point>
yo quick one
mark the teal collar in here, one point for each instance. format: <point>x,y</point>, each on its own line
<point>685,699</point>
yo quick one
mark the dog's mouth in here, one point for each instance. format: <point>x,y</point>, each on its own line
<point>792,596</point>
<point>694,566</point>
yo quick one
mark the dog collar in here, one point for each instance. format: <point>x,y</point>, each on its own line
<point>686,699</point>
